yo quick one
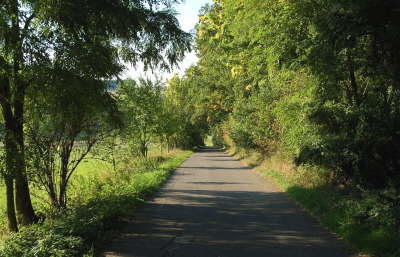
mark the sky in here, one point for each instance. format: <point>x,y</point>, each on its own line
<point>188,17</point>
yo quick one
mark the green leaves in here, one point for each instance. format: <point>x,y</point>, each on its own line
<point>142,106</point>
<point>315,78</point>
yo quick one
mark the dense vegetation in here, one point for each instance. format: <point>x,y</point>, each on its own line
<point>313,85</point>
<point>315,82</point>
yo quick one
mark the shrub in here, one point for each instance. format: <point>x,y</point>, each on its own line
<point>38,242</point>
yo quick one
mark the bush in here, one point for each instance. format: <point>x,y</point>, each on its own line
<point>38,242</point>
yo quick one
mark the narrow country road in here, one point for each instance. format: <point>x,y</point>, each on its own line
<point>215,207</point>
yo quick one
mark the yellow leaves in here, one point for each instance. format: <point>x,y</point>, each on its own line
<point>248,88</point>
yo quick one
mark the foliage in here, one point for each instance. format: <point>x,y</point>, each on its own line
<point>357,103</point>
<point>190,122</point>
<point>217,138</point>
<point>142,106</point>
<point>315,81</point>
<point>306,82</point>
<point>61,133</point>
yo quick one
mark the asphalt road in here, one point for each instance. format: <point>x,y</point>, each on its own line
<point>215,207</point>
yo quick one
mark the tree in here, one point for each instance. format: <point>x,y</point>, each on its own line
<point>141,105</point>
<point>190,117</point>
<point>42,35</point>
<point>62,130</point>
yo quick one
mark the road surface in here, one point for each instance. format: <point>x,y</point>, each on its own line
<point>215,207</point>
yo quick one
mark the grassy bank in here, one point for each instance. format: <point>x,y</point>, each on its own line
<point>353,217</point>
<point>99,202</point>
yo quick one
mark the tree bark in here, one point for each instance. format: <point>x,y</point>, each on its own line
<point>15,160</point>
<point>15,123</point>
<point>65,155</point>
<point>11,217</point>
<point>353,94</point>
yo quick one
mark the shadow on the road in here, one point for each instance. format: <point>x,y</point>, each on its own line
<point>208,223</point>
<point>228,160</point>
<point>209,149</point>
<point>217,183</point>
<point>225,156</point>
<point>216,168</point>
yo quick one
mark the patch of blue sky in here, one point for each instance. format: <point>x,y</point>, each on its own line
<point>188,17</point>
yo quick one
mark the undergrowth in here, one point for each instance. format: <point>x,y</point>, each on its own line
<point>75,231</point>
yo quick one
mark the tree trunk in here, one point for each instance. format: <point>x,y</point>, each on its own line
<point>10,148</point>
<point>353,94</point>
<point>62,203</point>
<point>12,219</point>
<point>52,192</point>
<point>62,197</point>
<point>143,149</point>
<point>64,171</point>
<point>15,167</point>
<point>15,159</point>
<point>26,214</point>
<point>14,122</point>
<point>22,195</point>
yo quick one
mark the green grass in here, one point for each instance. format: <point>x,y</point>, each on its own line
<point>336,211</point>
<point>104,199</point>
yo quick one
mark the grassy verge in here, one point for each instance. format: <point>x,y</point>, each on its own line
<point>359,221</point>
<point>106,201</point>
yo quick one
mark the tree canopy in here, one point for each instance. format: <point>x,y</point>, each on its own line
<point>316,81</point>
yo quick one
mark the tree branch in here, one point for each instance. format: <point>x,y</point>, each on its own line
<point>26,25</point>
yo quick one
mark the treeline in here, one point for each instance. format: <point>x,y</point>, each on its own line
<point>316,81</point>
<point>56,58</point>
